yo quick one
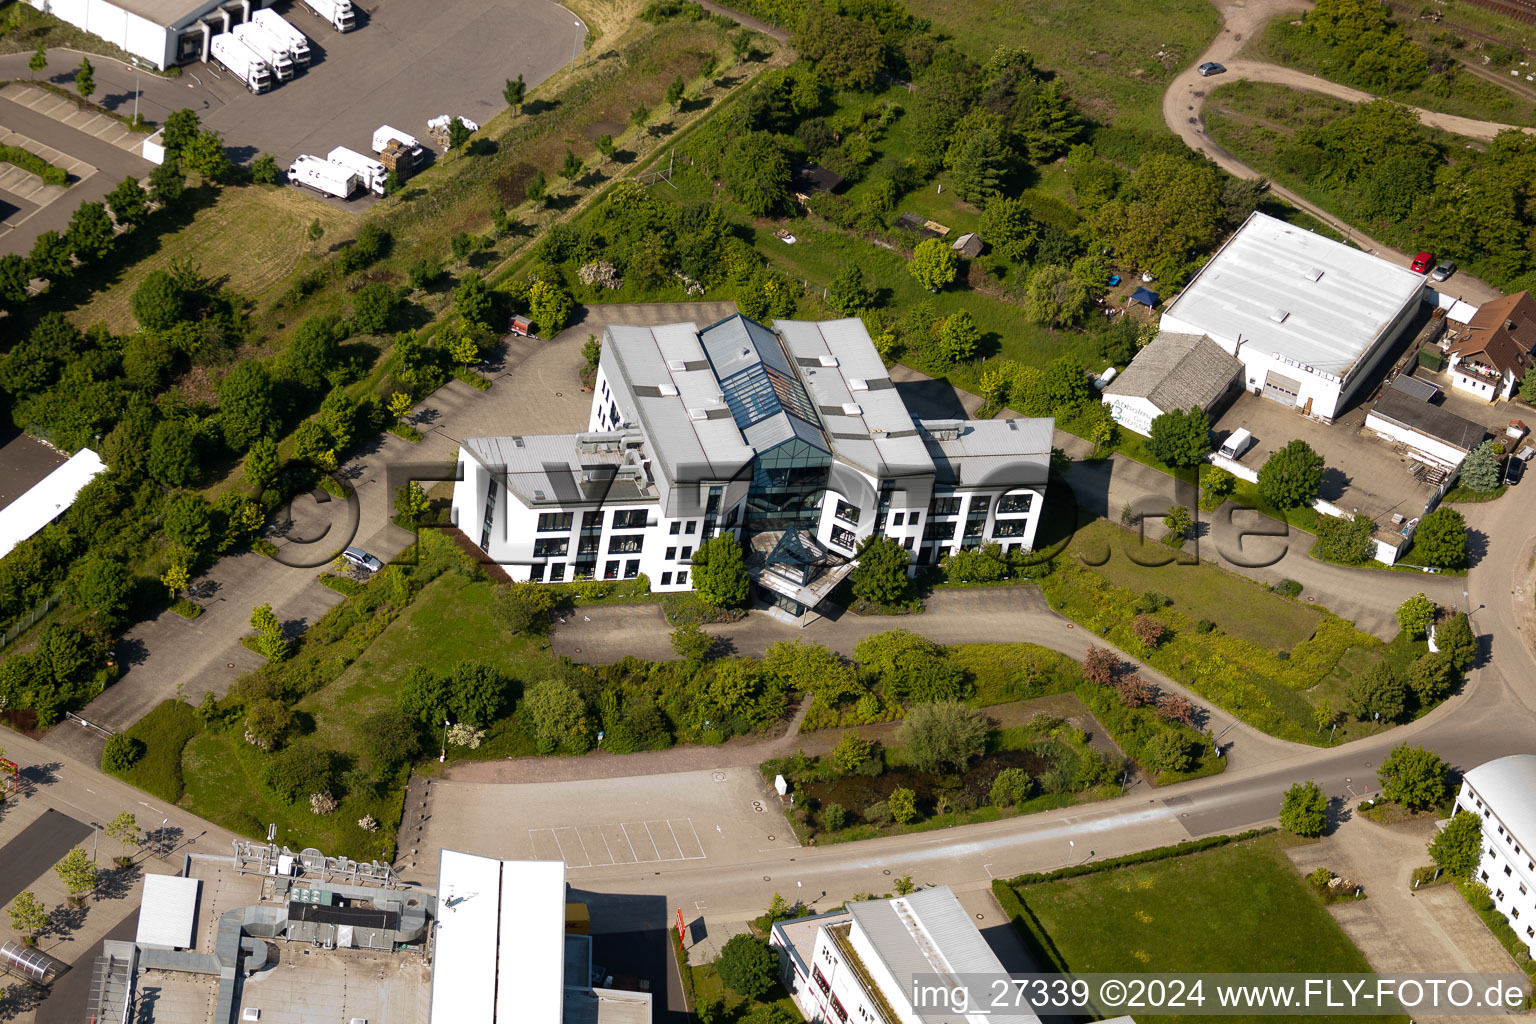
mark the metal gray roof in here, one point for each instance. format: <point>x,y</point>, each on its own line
<point>841,370</point>
<point>928,932</point>
<point>1508,786</point>
<point>1403,409</point>
<point>990,453</point>
<point>551,469</point>
<point>1282,289</point>
<point>1178,371</point>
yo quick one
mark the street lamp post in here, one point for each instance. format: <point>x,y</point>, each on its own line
<point>444,755</point>
<point>575,43</point>
<point>136,90</point>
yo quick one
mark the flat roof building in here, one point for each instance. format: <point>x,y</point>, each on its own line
<point>48,499</point>
<point>1309,318</point>
<point>793,438</point>
<point>162,32</point>
<point>1502,793</point>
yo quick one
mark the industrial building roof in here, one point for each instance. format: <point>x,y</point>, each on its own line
<point>996,453</point>
<point>499,955</point>
<point>47,499</point>
<point>1178,371</point>
<point>167,912</point>
<point>865,418</point>
<point>927,933</point>
<point>555,470</point>
<point>1287,291</point>
<point>1405,410</point>
<point>168,13</point>
<point>1508,786</point>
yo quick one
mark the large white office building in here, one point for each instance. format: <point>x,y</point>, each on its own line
<point>1502,792</point>
<point>1309,318</point>
<point>793,438</point>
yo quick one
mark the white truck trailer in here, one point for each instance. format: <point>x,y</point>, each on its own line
<point>338,12</point>
<point>369,171</point>
<point>236,58</point>
<point>278,27</point>
<point>324,176</point>
<point>382,137</point>
<point>264,45</point>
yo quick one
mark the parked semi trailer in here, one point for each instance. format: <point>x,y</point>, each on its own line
<point>278,27</point>
<point>338,12</point>
<point>262,43</point>
<point>368,170</point>
<point>235,57</point>
<point>324,176</point>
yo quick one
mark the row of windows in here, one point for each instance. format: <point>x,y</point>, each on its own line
<point>561,522</point>
<point>687,553</point>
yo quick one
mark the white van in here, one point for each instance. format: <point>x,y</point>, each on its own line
<point>1234,446</point>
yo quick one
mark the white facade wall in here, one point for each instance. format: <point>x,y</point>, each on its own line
<point>1507,867</point>
<point>827,977</point>
<point>1133,412</point>
<point>1478,386</point>
<point>1420,446</point>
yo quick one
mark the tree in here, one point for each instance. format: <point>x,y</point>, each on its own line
<point>315,231</point>
<point>1480,472</point>
<point>1167,751</point>
<point>638,115</point>
<point>911,668</point>
<point>720,573</point>
<point>557,711</point>
<point>1150,632</point>
<point>1414,616</point>
<point>175,578</point>
<point>181,127</point>
<point>903,804</point>
<point>266,720</point>
<point>1007,226</point>
<point>1179,523</point>
<point>472,300</point>
<point>261,463</point>
<point>124,828</point>
<point>1454,636</point>
<point>264,170</point>
<point>391,738</point>
<point>167,182</point>
<point>76,872</point>
<point>188,522</point>
<point>958,337</point>
<point>28,915</point>
<point>85,78</point>
<point>748,965</point>
<point>1056,297</point>
<point>606,147</point>
<point>1304,810</point>
<point>549,306</point>
<point>979,163</point>
<point>411,504</point>
<point>1346,540</point>
<point>159,303</point>
<point>1458,848</point>
<point>121,753</point>
<point>933,263</point>
<point>129,203</point>
<point>298,770</point>
<point>205,155</point>
<point>90,235</point>
<point>691,643</point>
<point>849,293</point>
<point>1441,539</point>
<point>570,167</point>
<point>756,170</point>
<point>1291,476</point>
<point>273,645</point>
<point>853,753</point>
<point>458,133</point>
<point>248,405</point>
<point>102,585</point>
<point>514,92</point>
<point>1413,777</point>
<point>374,308</point>
<point>1010,788</point>
<point>39,59</point>
<point>881,574</point>
<point>1431,677</point>
<point>943,736</point>
<point>1179,438</point>
<point>847,52</point>
<point>15,275</point>
<point>1376,693</point>
<point>1100,666</point>
<point>675,90</point>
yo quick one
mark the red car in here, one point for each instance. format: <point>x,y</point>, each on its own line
<point>1423,262</point>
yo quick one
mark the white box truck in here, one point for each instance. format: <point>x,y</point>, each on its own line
<point>382,137</point>
<point>368,170</point>
<point>272,53</point>
<point>276,26</point>
<point>235,57</point>
<point>324,176</point>
<point>338,12</point>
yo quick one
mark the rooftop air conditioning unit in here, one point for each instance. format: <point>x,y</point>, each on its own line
<point>858,384</point>
<point>1279,316</point>
<point>1315,273</point>
<point>828,360</point>
<point>677,365</point>
<point>698,414</point>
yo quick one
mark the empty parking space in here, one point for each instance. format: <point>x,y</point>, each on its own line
<point>630,842</point>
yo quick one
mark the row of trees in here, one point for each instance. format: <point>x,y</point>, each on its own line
<point>1412,777</point>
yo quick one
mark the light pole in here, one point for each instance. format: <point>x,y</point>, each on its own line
<point>575,43</point>
<point>136,89</point>
<point>95,835</point>
<point>444,755</point>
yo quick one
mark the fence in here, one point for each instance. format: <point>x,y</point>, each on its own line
<point>29,620</point>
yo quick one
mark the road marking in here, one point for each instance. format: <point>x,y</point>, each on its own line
<point>678,841</point>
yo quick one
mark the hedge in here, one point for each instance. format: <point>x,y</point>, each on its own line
<point>1476,895</point>
<point>29,161</point>
<point>1183,849</point>
<point>1041,949</point>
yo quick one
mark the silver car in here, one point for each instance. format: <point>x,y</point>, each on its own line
<point>361,559</point>
<point>1443,270</point>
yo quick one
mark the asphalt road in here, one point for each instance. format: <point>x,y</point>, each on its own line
<point>40,845</point>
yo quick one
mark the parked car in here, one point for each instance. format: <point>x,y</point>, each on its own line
<point>1514,471</point>
<point>1210,68</point>
<point>1238,443</point>
<point>1422,262</point>
<point>1443,270</point>
<point>361,559</point>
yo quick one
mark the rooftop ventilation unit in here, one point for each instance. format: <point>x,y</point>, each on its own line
<point>858,384</point>
<point>668,390</point>
<point>698,414</point>
<point>677,365</point>
<point>538,495</point>
<point>852,409</point>
<point>828,360</point>
<point>1279,316</point>
<point>518,442</point>
<point>1314,273</point>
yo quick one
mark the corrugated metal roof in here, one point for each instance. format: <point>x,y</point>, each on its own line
<point>1267,267</point>
<point>1178,371</point>
<point>928,932</point>
<point>1508,786</point>
<point>997,453</point>
<point>167,911</point>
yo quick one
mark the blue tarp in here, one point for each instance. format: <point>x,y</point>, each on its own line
<point>1145,295</point>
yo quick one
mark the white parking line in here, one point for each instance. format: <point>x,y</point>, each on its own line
<point>538,838</point>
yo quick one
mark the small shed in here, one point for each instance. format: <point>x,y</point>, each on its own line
<point>811,180</point>
<point>969,245</point>
<point>167,912</point>
<point>1147,297</point>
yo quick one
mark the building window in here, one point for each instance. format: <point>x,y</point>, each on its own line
<point>554,522</point>
<point>630,519</point>
<point>666,579</point>
<point>536,573</point>
<point>592,522</point>
<point>1008,528</point>
<point>625,543</point>
<point>1485,876</point>
<point>557,572</point>
<point>676,527</point>
<point>821,979</point>
<point>611,570</point>
<point>1507,870</point>
<point>908,543</point>
<point>631,568</point>
<point>551,547</point>
<point>687,552</point>
<point>843,538</point>
<point>682,579</point>
<point>847,513</point>
<point>671,554</point>
<point>1015,503</point>
<point>944,507</point>
<point>692,527</point>
<point>587,545</point>
<point>837,1007</point>
<point>897,517</point>
<point>939,531</point>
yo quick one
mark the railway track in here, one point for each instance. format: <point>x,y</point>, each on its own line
<point>1521,10</point>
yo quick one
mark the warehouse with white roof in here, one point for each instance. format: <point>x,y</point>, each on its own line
<point>1309,318</point>
<point>160,32</point>
<point>1502,792</point>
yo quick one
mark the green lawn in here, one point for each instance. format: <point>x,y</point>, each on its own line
<point>165,732</point>
<point>1240,908</point>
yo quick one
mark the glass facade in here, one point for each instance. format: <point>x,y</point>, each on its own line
<point>789,483</point>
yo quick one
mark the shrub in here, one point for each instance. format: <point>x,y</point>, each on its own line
<point>833,817</point>
<point>943,735</point>
<point>1304,809</point>
<point>1149,631</point>
<point>1412,776</point>
<point>121,753</point>
<point>1100,666</point>
<point>1010,788</point>
<point>878,813</point>
<point>853,752</point>
<point>903,804</point>
<point>1152,601</point>
<point>748,965</point>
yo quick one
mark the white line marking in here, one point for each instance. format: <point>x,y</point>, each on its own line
<point>624,829</point>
